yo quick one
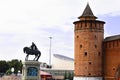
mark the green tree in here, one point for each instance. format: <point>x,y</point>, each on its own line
<point>16,64</point>
<point>3,66</point>
<point>8,72</point>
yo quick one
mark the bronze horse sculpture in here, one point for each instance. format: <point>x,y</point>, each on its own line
<point>32,51</point>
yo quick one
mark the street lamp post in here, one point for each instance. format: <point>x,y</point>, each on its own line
<point>50,51</point>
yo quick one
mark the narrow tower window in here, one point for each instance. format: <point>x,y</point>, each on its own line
<point>80,46</point>
<point>89,74</point>
<point>95,46</point>
<point>113,68</point>
<point>98,53</point>
<point>85,53</point>
<point>89,63</point>
<point>77,36</point>
<point>95,37</point>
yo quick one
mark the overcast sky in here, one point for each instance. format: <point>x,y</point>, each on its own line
<point>25,21</point>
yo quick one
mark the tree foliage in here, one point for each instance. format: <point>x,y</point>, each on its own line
<point>5,66</point>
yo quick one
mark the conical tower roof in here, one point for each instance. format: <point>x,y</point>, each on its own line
<point>87,13</point>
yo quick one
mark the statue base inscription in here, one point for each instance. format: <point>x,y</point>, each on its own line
<point>31,70</point>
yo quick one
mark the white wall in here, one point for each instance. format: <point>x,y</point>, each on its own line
<point>62,64</point>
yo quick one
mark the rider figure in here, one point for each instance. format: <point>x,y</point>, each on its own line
<point>33,46</point>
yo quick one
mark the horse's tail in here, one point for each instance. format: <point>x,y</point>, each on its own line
<point>39,53</point>
<point>24,49</point>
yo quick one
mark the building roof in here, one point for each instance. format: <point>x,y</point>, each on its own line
<point>111,38</point>
<point>87,12</point>
<point>63,57</point>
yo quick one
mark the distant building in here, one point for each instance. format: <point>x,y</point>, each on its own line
<point>62,62</point>
<point>96,58</point>
<point>62,67</point>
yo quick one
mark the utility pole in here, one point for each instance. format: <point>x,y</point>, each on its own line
<point>50,51</point>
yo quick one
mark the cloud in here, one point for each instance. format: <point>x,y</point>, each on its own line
<point>100,7</point>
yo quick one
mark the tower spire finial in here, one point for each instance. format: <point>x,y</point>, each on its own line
<point>87,3</point>
<point>87,12</point>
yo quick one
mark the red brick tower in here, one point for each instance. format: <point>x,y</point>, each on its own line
<point>88,37</point>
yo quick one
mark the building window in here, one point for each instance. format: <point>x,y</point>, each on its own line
<point>89,63</point>
<point>89,74</point>
<point>95,37</point>
<point>98,53</point>
<point>95,46</point>
<point>80,46</point>
<point>85,53</point>
<point>77,36</point>
<point>113,68</point>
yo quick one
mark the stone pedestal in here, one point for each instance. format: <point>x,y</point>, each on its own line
<point>31,70</point>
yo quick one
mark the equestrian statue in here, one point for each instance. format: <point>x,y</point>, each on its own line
<point>32,50</point>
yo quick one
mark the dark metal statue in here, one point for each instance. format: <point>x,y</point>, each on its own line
<point>32,50</point>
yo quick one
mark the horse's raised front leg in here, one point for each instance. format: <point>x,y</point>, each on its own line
<point>26,57</point>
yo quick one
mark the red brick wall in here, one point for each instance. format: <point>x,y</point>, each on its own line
<point>88,47</point>
<point>111,58</point>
